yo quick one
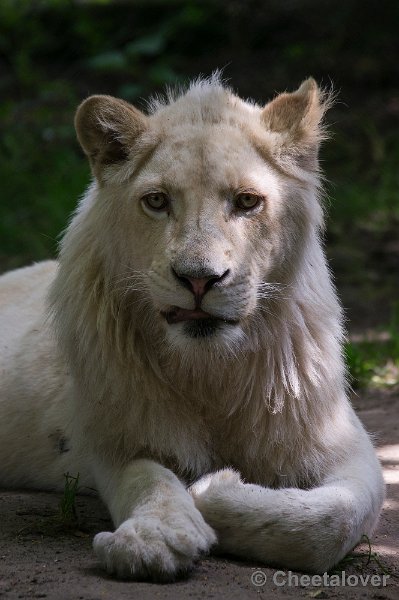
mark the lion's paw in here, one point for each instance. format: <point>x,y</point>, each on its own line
<point>157,547</point>
<point>213,493</point>
<point>215,482</point>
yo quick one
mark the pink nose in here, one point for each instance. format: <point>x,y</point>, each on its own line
<point>199,285</point>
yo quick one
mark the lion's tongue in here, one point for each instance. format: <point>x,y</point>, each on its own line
<point>176,315</point>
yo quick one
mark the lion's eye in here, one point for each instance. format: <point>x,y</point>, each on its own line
<point>157,201</point>
<point>247,201</point>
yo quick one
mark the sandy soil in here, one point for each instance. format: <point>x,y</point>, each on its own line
<point>39,561</point>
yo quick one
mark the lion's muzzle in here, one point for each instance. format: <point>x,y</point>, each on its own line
<point>199,283</point>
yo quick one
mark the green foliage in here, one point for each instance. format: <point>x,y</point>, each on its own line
<point>375,361</point>
<point>39,190</point>
<point>365,188</point>
<point>44,42</point>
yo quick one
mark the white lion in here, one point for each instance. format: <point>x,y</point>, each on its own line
<point>195,339</point>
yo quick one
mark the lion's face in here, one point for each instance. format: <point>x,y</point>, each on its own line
<point>209,221</point>
<point>207,210</point>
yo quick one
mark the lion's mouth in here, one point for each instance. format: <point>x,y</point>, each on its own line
<point>178,315</point>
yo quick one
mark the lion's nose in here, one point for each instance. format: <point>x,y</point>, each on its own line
<point>199,285</point>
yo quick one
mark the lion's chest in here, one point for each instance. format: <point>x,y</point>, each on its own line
<point>231,442</point>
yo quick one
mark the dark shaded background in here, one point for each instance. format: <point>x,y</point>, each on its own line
<point>54,53</point>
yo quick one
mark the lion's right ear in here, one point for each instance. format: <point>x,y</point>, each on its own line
<point>107,129</point>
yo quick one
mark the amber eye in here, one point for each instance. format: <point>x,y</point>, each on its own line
<point>157,201</point>
<point>247,201</point>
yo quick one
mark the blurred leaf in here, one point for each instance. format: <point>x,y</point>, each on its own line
<point>108,61</point>
<point>160,74</point>
<point>147,46</point>
<point>130,91</point>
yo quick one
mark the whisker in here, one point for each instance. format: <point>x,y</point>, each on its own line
<point>272,292</point>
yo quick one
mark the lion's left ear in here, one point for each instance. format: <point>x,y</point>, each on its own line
<point>296,118</point>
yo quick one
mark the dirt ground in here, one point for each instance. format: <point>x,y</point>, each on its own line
<point>37,561</point>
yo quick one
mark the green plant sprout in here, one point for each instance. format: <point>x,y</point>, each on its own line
<point>356,559</point>
<point>68,512</point>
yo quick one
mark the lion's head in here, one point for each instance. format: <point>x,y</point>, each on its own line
<point>203,209</point>
<point>192,276</point>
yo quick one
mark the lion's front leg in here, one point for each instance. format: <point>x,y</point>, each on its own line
<point>160,532</point>
<point>309,530</point>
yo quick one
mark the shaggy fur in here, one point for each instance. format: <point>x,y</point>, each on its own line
<point>146,401</point>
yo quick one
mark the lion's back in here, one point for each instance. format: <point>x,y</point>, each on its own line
<point>22,302</point>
